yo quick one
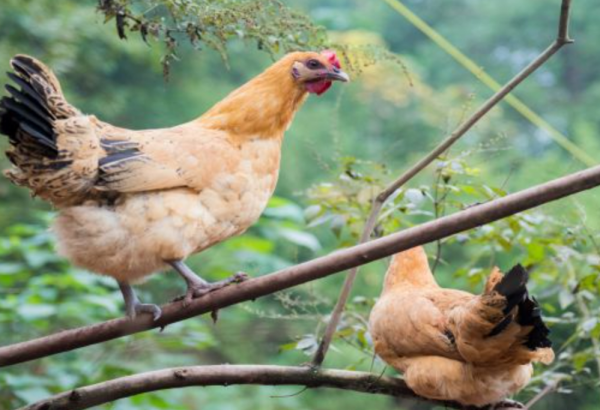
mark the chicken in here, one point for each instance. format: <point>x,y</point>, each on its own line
<point>453,345</point>
<point>132,203</point>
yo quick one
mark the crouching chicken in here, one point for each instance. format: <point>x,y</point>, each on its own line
<point>132,203</point>
<point>453,345</point>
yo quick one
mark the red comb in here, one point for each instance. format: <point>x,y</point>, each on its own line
<point>332,57</point>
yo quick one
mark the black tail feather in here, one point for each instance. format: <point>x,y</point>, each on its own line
<point>531,315</point>
<point>499,328</point>
<point>25,116</point>
<point>513,287</point>
<point>23,66</point>
<point>28,89</point>
<point>30,102</point>
<point>39,136</point>
<point>8,124</point>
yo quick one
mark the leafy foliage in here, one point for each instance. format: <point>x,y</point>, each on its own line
<point>271,25</point>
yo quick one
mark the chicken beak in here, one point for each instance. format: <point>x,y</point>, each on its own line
<point>335,74</point>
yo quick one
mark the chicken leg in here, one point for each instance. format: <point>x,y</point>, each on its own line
<point>196,286</point>
<point>133,306</point>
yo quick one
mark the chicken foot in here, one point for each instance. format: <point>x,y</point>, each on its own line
<point>134,307</point>
<point>198,287</point>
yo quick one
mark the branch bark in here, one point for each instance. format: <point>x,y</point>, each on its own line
<point>315,269</point>
<point>226,375</point>
<point>378,203</point>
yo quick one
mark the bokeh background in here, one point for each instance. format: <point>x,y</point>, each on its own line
<point>342,148</point>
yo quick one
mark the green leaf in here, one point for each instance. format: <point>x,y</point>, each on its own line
<point>284,209</point>
<point>589,324</point>
<point>32,394</point>
<point>535,251</point>
<point>31,311</point>
<point>312,212</point>
<point>287,346</point>
<point>565,298</point>
<point>308,344</point>
<point>580,360</point>
<point>415,196</point>
<point>300,238</point>
<point>10,268</point>
<point>251,243</point>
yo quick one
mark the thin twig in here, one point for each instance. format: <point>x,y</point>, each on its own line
<point>439,209</point>
<point>545,391</point>
<point>561,40</point>
<point>226,375</point>
<point>308,271</point>
<point>287,396</point>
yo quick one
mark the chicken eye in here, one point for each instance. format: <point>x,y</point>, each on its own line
<point>314,64</point>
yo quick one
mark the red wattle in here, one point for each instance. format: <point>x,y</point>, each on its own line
<point>318,87</point>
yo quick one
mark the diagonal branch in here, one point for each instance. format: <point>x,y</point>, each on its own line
<point>315,269</point>
<point>518,105</point>
<point>226,375</point>
<point>561,40</point>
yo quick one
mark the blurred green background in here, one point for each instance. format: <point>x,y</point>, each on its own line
<point>342,148</point>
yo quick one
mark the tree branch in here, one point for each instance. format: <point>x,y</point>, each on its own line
<point>226,375</point>
<point>377,205</point>
<point>308,271</point>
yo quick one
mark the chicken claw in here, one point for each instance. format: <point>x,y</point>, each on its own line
<point>198,287</point>
<point>151,308</point>
<point>134,307</point>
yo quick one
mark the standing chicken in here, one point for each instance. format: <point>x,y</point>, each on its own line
<point>131,203</point>
<point>452,345</point>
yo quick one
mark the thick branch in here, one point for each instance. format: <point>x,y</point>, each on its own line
<point>308,271</point>
<point>226,375</point>
<point>561,40</point>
